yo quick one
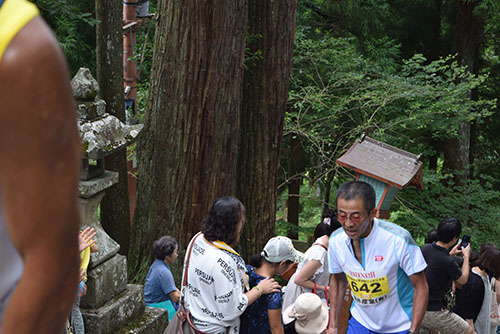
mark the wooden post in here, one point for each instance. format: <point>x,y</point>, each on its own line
<point>129,42</point>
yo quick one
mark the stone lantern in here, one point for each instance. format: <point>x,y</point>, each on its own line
<point>110,305</point>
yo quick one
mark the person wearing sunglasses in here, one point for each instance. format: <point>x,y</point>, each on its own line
<point>382,264</point>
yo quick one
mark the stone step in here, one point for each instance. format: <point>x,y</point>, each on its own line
<point>116,313</point>
<point>152,321</point>
<point>105,281</point>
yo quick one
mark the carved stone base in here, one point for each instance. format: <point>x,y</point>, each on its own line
<point>105,281</point>
<point>115,313</point>
<point>154,320</point>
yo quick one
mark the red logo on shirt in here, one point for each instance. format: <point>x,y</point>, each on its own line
<point>379,258</point>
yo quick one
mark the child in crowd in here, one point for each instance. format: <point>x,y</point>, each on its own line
<point>264,316</point>
<point>306,316</point>
<point>86,244</point>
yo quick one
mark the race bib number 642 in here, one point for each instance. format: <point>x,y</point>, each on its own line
<point>368,287</point>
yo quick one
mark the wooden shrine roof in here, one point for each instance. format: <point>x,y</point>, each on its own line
<point>383,162</point>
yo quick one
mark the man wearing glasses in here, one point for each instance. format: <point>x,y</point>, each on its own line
<point>382,264</point>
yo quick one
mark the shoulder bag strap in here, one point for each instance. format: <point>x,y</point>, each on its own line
<point>186,266</point>
<point>318,244</point>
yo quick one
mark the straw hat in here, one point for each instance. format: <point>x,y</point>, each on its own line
<point>310,313</point>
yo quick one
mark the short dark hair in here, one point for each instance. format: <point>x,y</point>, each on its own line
<point>357,189</point>
<point>489,260</point>
<point>431,236</point>
<point>164,246</point>
<point>448,229</point>
<point>222,219</point>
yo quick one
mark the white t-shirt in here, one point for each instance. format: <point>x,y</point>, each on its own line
<point>320,277</point>
<point>215,289</point>
<point>380,287</point>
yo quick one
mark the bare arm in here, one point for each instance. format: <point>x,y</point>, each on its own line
<point>40,154</point>
<point>337,292</point>
<point>465,265</point>
<point>303,277</point>
<point>420,298</point>
<point>497,289</point>
<point>275,321</point>
<point>175,295</point>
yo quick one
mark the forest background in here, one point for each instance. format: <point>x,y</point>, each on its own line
<point>421,75</point>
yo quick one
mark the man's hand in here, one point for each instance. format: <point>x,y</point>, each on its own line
<point>460,250</point>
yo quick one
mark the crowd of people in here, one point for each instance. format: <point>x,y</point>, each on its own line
<point>397,286</point>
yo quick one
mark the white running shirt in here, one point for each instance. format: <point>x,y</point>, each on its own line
<point>380,287</point>
<point>215,291</point>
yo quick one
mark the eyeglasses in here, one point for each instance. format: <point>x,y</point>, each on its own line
<point>354,217</point>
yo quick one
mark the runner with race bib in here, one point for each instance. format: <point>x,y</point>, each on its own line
<point>382,265</point>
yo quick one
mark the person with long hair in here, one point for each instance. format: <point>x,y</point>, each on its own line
<point>486,266</point>
<point>217,290</point>
<point>312,274</point>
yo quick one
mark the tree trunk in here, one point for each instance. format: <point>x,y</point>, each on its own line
<point>468,40</point>
<point>188,154</point>
<point>272,26</point>
<point>436,35</point>
<point>328,191</point>
<point>115,212</point>
<point>294,184</point>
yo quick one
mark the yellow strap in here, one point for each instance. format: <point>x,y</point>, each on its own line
<point>223,245</point>
<point>14,15</point>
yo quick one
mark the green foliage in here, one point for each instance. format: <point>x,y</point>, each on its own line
<point>74,23</point>
<point>343,86</point>
<point>337,93</point>
<point>475,204</point>
<point>252,54</point>
<point>309,216</point>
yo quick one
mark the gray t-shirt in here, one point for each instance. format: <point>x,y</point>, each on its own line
<point>11,266</point>
<point>482,323</point>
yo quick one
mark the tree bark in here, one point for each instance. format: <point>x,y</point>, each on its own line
<point>115,212</point>
<point>468,40</point>
<point>188,154</point>
<point>262,116</point>
<point>328,191</point>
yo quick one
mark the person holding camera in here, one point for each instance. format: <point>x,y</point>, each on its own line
<point>441,272</point>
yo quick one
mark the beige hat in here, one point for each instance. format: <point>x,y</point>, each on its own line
<point>280,249</point>
<point>310,313</point>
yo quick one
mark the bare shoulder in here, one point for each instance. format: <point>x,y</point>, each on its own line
<point>32,71</point>
<point>35,90</point>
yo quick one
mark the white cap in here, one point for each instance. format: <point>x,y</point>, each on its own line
<point>309,312</point>
<point>280,249</point>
